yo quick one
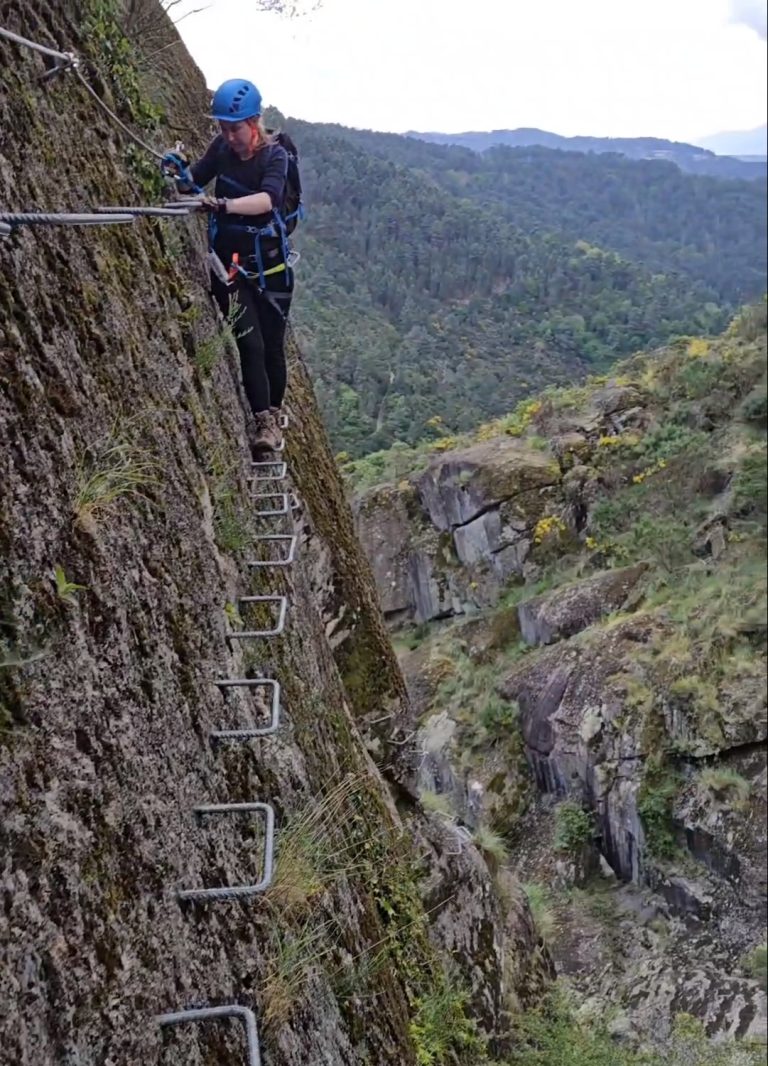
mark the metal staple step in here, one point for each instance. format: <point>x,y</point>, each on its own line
<point>249,732</point>
<point>204,1014</point>
<point>260,473</point>
<point>277,629</point>
<point>284,508</point>
<point>233,892</point>
<point>276,538</point>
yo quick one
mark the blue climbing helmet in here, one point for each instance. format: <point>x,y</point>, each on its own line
<point>236,100</point>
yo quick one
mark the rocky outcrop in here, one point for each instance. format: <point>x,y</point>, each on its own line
<point>571,608</point>
<point>483,924</point>
<point>126,544</point>
<point>587,720</point>
<point>445,542</point>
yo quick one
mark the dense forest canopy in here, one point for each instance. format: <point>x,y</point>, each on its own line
<point>440,282</point>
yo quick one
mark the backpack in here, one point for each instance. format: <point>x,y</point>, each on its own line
<point>293,210</point>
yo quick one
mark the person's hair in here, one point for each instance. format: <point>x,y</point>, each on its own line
<point>264,137</point>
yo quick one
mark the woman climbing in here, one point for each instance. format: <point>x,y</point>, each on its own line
<point>251,265</point>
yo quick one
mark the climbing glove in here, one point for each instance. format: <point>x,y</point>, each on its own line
<point>174,163</point>
<point>213,205</point>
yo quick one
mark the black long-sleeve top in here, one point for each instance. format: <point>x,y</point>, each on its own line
<point>265,172</point>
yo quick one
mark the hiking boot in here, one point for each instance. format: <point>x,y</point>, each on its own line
<point>281,417</point>
<point>268,437</point>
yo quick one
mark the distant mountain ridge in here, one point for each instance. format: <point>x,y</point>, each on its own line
<point>740,144</point>
<point>688,157</point>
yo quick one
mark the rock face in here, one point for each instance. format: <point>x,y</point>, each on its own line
<point>126,543</point>
<point>447,541</point>
<point>583,718</point>
<point>572,608</point>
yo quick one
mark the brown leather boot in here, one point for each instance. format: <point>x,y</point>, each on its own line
<point>268,436</point>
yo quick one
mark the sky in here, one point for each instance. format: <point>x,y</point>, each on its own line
<point>680,69</point>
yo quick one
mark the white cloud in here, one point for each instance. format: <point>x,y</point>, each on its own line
<point>670,68</point>
<point>752,13</point>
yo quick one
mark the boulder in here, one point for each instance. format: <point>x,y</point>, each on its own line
<point>571,608</point>
<point>460,486</point>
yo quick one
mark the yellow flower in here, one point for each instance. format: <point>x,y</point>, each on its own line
<point>591,543</point>
<point>547,525</point>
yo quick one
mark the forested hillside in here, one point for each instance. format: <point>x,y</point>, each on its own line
<point>439,282</point>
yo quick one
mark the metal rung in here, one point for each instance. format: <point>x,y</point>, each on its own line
<point>245,634</point>
<point>229,892</point>
<point>292,540</point>
<point>274,718</point>
<point>204,1014</point>
<point>260,474</point>
<point>283,509</point>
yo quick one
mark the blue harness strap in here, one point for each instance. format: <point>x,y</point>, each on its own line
<point>276,228</point>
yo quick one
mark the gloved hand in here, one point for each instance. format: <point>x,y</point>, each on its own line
<point>213,206</point>
<point>173,163</point>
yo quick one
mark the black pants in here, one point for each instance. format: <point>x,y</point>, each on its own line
<point>259,329</point>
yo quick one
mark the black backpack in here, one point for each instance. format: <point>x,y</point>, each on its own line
<point>293,208</point>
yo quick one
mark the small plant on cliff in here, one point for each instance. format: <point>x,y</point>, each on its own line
<point>113,470</point>
<point>728,788</point>
<point>544,914</point>
<point>756,965</point>
<point>573,827</point>
<point>655,801</point>
<point>491,843</point>
<point>436,802</point>
<point>500,717</point>
<point>293,954</point>
<point>441,1029</point>
<point>66,590</point>
<point>313,853</point>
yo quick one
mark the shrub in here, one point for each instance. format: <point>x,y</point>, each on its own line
<point>544,915</point>
<point>491,843</point>
<point>573,827</point>
<point>440,1027</point>
<point>756,965</point>
<point>499,717</point>
<point>655,800</point>
<point>728,788</point>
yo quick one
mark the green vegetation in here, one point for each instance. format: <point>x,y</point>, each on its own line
<point>728,788</point>
<point>66,590</point>
<point>543,910</point>
<point>654,804</point>
<point>573,827</point>
<point>117,57</point>
<point>312,854</point>
<point>113,469</point>
<point>441,1028</point>
<point>436,802</point>
<point>491,843</point>
<point>461,283</point>
<point>555,1036</point>
<point>756,965</point>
